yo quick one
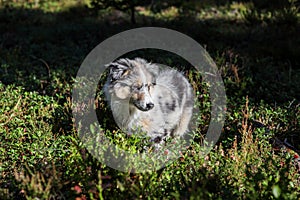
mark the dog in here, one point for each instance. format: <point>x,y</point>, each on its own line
<point>145,97</point>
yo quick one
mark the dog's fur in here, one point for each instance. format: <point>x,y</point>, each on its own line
<point>141,95</point>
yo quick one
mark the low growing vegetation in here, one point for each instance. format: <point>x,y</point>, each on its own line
<point>42,44</point>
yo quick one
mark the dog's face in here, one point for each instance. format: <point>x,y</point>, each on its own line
<point>133,80</point>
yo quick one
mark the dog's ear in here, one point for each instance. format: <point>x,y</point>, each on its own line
<point>153,69</point>
<point>116,71</point>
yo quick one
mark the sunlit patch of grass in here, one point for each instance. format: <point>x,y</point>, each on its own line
<point>46,6</point>
<point>201,12</point>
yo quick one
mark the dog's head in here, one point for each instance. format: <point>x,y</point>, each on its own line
<point>133,80</point>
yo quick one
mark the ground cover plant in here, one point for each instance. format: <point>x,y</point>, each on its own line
<point>256,48</point>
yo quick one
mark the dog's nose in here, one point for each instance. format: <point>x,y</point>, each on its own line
<point>149,106</point>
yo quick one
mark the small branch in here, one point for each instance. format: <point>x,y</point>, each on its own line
<point>45,63</point>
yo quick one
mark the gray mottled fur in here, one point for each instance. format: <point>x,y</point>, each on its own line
<point>134,85</point>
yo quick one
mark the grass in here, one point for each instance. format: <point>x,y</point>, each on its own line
<point>41,155</point>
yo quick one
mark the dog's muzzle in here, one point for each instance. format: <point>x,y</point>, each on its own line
<point>148,107</point>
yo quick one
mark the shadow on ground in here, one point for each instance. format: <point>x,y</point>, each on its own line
<point>37,48</point>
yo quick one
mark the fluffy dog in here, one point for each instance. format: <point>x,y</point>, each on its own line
<point>144,97</point>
